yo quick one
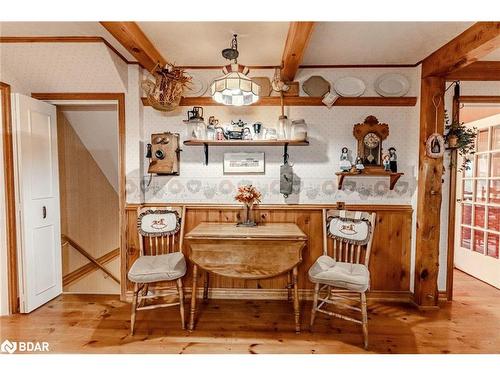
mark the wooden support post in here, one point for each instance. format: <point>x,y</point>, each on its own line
<point>429,195</point>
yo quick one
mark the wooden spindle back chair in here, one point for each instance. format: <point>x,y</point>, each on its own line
<point>161,232</point>
<point>349,257</point>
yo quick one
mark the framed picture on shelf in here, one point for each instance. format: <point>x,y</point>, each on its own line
<point>244,162</point>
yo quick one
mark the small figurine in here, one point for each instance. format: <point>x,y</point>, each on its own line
<point>386,161</point>
<point>345,164</point>
<point>359,164</point>
<point>393,163</point>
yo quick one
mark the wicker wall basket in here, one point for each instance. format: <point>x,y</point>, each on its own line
<point>164,91</point>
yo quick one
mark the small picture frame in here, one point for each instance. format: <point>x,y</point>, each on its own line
<point>244,162</point>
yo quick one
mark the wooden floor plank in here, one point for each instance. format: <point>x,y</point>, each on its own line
<point>100,324</point>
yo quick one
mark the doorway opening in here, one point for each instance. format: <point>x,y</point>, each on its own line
<point>476,243</point>
<point>88,154</point>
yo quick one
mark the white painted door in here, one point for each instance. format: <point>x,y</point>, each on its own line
<point>477,242</point>
<point>39,255</point>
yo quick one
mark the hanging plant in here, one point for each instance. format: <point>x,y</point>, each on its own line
<point>461,138</point>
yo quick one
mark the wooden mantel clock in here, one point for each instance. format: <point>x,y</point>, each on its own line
<point>370,135</point>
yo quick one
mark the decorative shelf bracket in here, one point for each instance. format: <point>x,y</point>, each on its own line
<point>393,177</point>
<point>284,143</point>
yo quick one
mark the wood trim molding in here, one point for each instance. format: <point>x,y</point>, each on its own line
<point>130,35</point>
<point>376,101</point>
<point>299,34</point>
<point>120,99</point>
<point>477,71</point>
<point>474,43</point>
<point>360,207</point>
<point>282,294</point>
<point>10,199</point>
<point>479,99</point>
<point>65,39</point>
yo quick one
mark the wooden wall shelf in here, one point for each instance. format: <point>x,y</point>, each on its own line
<point>394,177</point>
<point>362,101</point>
<point>237,142</point>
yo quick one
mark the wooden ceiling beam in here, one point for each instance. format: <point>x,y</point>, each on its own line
<point>474,43</point>
<point>477,71</point>
<point>130,35</point>
<point>297,39</point>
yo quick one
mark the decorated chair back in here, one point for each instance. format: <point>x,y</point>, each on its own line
<point>348,235</point>
<point>161,229</point>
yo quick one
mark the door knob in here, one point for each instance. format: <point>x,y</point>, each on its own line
<point>44,212</point>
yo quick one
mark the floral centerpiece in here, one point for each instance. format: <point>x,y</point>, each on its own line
<point>248,195</point>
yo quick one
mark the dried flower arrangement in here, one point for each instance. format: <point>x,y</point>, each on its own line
<point>248,195</point>
<point>164,93</point>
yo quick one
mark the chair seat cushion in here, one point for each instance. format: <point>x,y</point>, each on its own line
<point>326,270</point>
<point>150,269</point>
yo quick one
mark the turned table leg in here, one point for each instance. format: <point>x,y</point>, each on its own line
<point>296,305</point>
<point>289,285</point>
<point>193,297</point>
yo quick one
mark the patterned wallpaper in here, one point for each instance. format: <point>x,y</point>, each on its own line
<point>314,165</point>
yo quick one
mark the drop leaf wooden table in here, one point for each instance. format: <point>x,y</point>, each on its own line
<point>260,252</point>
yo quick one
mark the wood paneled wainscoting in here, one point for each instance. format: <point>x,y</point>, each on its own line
<point>389,265</point>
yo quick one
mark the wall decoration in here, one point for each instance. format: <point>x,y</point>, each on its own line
<point>163,153</point>
<point>193,186</point>
<point>165,90</point>
<point>349,87</point>
<point>434,146</point>
<point>345,163</point>
<point>393,159</point>
<point>392,85</point>
<point>370,135</point>
<point>226,187</point>
<point>244,162</point>
<point>316,86</point>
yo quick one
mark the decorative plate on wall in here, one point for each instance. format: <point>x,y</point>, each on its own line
<point>392,84</point>
<point>316,86</point>
<point>265,85</point>
<point>349,86</point>
<point>197,87</point>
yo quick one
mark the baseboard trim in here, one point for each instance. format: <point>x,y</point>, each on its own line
<point>282,294</point>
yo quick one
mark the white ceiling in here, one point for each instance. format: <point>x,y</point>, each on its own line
<point>378,42</point>
<point>201,43</point>
<point>62,29</point>
<point>261,43</point>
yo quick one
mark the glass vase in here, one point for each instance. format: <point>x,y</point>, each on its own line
<point>248,218</point>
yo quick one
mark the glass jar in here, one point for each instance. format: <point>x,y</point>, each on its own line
<point>284,128</point>
<point>299,130</point>
<point>196,129</point>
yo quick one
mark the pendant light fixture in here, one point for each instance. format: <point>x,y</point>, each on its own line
<point>235,87</point>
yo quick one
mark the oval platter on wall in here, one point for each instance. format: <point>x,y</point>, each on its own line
<point>392,85</point>
<point>349,87</point>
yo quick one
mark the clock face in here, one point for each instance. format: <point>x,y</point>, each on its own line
<point>371,140</point>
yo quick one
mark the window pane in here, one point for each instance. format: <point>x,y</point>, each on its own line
<point>467,214</point>
<point>495,191</point>
<point>479,215</point>
<point>465,238</point>
<point>467,191</point>
<point>495,164</point>
<point>482,141</point>
<point>495,144</point>
<point>481,190</point>
<point>478,241</point>
<point>494,218</point>
<point>493,245</point>
<point>469,168</point>
<point>482,165</point>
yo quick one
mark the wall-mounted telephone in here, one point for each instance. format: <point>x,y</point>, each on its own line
<point>164,154</point>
